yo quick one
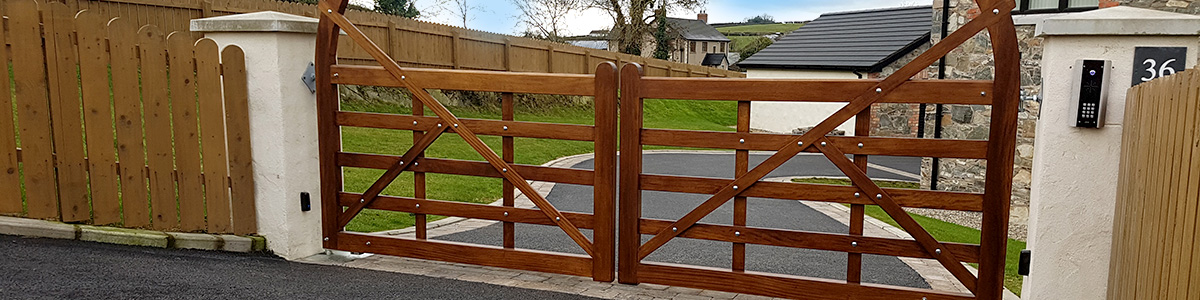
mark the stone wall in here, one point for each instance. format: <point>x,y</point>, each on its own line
<point>973,60</point>
<point>897,119</point>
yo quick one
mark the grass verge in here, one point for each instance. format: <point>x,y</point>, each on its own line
<point>941,230</point>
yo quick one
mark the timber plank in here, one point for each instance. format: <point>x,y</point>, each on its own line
<point>212,137</point>
<point>181,57</point>
<point>464,80</point>
<point>10,177</point>
<point>164,213</point>
<point>808,240</point>
<point>127,107</point>
<point>783,286</point>
<point>33,109</point>
<point>970,149</point>
<point>237,122</point>
<point>102,164</point>
<point>62,62</point>
<point>530,260</point>
<point>808,90</point>
<point>483,127</point>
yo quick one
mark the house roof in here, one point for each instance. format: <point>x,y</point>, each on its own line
<point>713,59</point>
<point>864,40</point>
<point>696,30</point>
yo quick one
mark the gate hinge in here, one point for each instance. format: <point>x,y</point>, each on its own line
<point>310,78</point>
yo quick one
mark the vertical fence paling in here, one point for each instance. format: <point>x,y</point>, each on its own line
<point>61,63</point>
<point>102,164</point>
<point>33,109</point>
<point>10,179</point>
<point>82,155</point>
<point>1155,248</point>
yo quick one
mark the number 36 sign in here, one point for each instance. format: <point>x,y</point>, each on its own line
<point>1150,63</point>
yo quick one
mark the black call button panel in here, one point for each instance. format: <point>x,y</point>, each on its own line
<point>1091,85</point>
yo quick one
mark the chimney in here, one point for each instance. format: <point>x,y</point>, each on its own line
<point>703,16</point>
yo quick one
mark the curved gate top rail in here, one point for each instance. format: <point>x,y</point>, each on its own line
<point>999,150</point>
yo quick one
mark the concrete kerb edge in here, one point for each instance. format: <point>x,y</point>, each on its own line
<point>132,237</point>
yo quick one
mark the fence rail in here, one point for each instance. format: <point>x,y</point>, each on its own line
<point>118,125</point>
<point>410,42</point>
<point>1156,249</point>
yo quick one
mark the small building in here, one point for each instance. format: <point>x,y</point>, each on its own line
<point>841,45</point>
<point>693,41</point>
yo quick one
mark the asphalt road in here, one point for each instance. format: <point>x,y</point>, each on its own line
<point>770,213</point>
<point>64,269</point>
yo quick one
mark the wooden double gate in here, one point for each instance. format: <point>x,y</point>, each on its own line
<point>848,154</point>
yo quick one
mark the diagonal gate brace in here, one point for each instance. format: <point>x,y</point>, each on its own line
<point>390,175</point>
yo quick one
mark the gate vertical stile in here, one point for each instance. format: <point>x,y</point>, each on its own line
<point>328,132</point>
<point>507,114</point>
<point>630,177</point>
<point>421,220</point>
<point>604,188</point>
<point>1000,156</point>
<point>862,127</point>
<point>741,166</point>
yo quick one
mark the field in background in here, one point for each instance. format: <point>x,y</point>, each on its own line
<point>758,29</point>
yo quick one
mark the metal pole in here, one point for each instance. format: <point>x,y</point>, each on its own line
<point>937,121</point>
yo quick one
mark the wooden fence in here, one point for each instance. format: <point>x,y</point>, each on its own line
<point>412,43</point>
<point>118,125</point>
<point>1156,249</point>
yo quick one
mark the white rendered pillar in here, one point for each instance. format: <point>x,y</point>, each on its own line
<point>283,123</point>
<point>1075,170</point>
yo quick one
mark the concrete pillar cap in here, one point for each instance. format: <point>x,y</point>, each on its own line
<point>263,21</point>
<point>1121,20</point>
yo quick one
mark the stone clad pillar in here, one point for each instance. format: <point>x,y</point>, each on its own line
<point>283,123</point>
<point>1075,169</point>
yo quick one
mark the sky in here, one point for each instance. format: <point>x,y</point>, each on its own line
<point>502,16</point>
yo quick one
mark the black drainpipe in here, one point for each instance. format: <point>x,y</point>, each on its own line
<point>937,120</point>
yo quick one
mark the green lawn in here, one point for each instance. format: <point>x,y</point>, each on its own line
<point>941,230</point>
<point>760,28</point>
<point>674,114</point>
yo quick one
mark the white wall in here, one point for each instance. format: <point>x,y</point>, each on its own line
<point>785,116</point>
<point>1075,170</point>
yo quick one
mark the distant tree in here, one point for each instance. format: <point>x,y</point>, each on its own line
<point>635,19</point>
<point>314,2</point>
<point>761,19</point>
<point>463,10</point>
<point>546,19</point>
<point>403,8</point>
<point>662,42</point>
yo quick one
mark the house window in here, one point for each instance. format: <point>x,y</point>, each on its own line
<point>693,46</point>
<point>723,47</point>
<point>1053,6</point>
<point>705,47</point>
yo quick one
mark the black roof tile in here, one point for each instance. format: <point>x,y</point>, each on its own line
<point>855,40</point>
